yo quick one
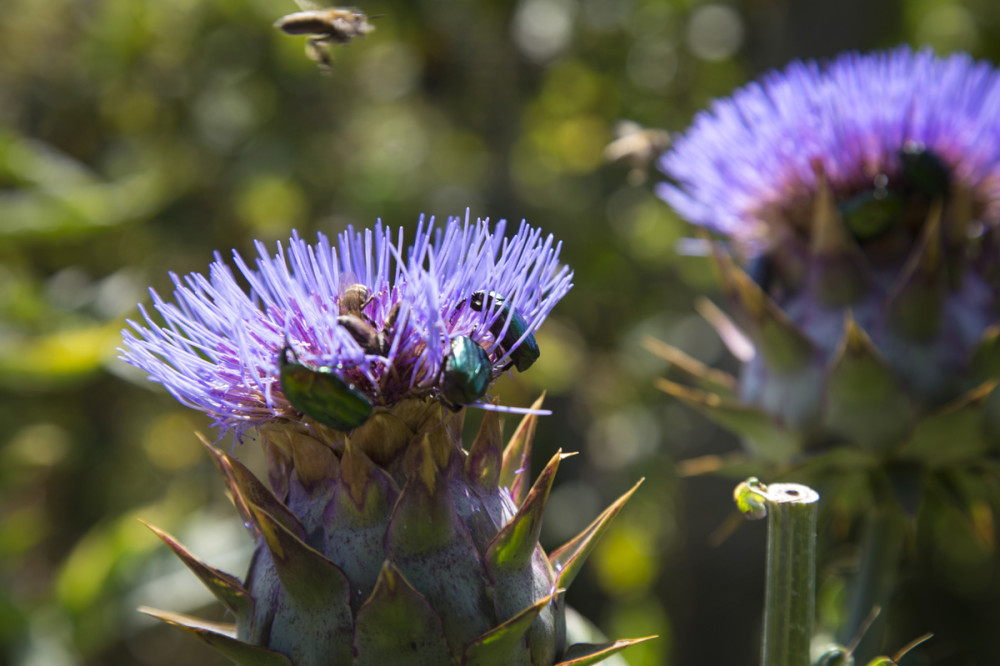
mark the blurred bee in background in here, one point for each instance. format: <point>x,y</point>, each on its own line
<point>326,27</point>
<point>637,146</point>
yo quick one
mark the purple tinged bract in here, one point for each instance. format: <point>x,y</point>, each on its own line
<point>216,347</point>
<point>753,157</point>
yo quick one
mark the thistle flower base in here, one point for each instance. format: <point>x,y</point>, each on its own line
<point>430,556</point>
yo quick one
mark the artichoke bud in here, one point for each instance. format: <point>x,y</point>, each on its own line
<point>423,559</point>
<point>379,537</point>
<point>861,264</point>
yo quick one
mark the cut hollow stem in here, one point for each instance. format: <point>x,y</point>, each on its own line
<point>790,599</point>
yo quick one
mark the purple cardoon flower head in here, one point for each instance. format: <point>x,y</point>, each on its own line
<point>352,362</point>
<point>754,159</point>
<point>860,199</point>
<point>217,347</point>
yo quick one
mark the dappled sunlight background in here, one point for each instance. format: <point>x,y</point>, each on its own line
<point>137,137</point>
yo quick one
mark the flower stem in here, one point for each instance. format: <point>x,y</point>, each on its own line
<point>790,601</point>
<point>874,581</point>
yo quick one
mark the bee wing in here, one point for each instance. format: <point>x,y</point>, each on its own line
<point>636,142</point>
<point>624,127</point>
<point>308,5</point>
<point>347,279</point>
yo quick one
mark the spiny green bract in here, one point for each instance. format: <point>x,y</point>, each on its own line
<point>397,546</point>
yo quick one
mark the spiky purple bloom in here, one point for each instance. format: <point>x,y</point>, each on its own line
<point>354,532</point>
<point>753,157</point>
<point>216,347</point>
<point>862,198</point>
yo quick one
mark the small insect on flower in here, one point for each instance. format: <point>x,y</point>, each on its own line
<point>871,213</point>
<point>313,340</point>
<point>924,173</point>
<point>322,395</point>
<point>353,297</point>
<point>524,355</point>
<point>369,339</point>
<point>326,27</point>
<point>465,374</point>
<point>923,179</point>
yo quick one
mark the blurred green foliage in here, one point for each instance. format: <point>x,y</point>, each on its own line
<point>136,137</point>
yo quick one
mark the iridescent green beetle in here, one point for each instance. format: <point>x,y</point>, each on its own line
<point>872,213</point>
<point>527,352</point>
<point>322,395</point>
<point>924,173</point>
<point>466,373</point>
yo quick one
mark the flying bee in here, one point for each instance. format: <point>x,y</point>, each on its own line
<point>337,25</point>
<point>326,27</point>
<point>637,146</point>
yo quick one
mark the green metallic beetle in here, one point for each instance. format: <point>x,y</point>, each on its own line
<point>322,395</point>
<point>924,172</point>
<point>923,176</point>
<point>527,352</point>
<point>466,373</point>
<point>872,213</point>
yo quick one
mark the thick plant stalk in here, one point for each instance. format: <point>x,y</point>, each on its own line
<point>790,601</point>
<point>875,580</point>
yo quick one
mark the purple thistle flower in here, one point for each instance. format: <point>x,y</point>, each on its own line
<point>752,159</point>
<point>861,199</point>
<point>216,347</point>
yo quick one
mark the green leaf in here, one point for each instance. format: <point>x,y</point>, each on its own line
<point>221,639</point>
<point>226,588</point>
<point>426,538</point>
<point>505,645</point>
<point>953,434</point>
<point>767,440</point>
<point>313,621</point>
<point>397,625</point>
<point>583,654</point>
<point>568,559</point>
<point>865,402</point>
<point>515,470</point>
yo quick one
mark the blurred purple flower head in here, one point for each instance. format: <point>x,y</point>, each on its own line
<point>861,200</point>
<point>216,347</point>
<point>752,160</point>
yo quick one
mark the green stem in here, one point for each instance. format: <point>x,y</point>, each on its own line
<point>876,577</point>
<point>790,601</point>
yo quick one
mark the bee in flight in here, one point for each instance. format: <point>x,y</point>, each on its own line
<point>326,27</point>
<point>637,146</point>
